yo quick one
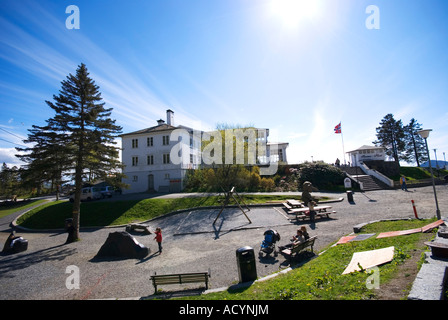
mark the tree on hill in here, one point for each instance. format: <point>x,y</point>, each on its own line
<point>391,136</point>
<point>415,145</point>
<point>82,131</point>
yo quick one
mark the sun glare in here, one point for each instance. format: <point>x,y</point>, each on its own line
<point>293,12</point>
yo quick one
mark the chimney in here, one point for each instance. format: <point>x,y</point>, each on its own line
<point>160,122</point>
<point>170,117</point>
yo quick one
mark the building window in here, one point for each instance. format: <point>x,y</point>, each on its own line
<point>134,161</point>
<point>167,176</point>
<point>166,140</point>
<point>150,160</point>
<point>166,158</point>
<point>134,178</point>
<point>280,154</point>
<point>134,143</point>
<point>149,141</point>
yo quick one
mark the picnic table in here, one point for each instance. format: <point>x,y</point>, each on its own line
<point>292,203</point>
<point>321,211</point>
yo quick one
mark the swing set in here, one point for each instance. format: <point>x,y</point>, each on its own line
<point>236,197</point>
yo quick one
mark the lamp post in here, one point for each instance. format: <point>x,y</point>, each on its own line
<point>444,161</point>
<point>425,134</point>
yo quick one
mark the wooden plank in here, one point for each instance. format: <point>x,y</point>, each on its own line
<point>433,225</point>
<point>294,203</point>
<point>398,233</point>
<point>345,239</point>
<point>306,209</point>
<point>369,259</point>
<point>287,206</point>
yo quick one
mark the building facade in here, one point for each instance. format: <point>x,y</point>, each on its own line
<point>146,155</point>
<point>366,153</point>
<point>156,159</point>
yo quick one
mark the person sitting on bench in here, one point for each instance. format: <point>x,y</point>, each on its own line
<point>305,234</point>
<point>297,238</point>
<point>9,244</point>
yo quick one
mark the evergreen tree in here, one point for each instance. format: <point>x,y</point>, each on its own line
<point>415,145</point>
<point>390,135</point>
<point>83,132</point>
<point>46,159</point>
<point>9,181</point>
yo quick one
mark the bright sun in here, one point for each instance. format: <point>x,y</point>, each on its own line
<point>293,12</point>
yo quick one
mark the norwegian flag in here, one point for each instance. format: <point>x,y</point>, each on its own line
<point>338,129</point>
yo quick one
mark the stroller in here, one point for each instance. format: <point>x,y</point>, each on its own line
<point>268,245</point>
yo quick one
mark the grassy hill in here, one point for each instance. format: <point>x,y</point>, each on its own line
<point>417,173</point>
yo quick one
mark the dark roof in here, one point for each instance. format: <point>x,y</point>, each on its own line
<point>365,147</point>
<point>155,129</point>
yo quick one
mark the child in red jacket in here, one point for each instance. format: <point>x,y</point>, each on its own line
<point>158,238</point>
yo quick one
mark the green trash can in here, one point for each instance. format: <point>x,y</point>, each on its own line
<point>247,269</point>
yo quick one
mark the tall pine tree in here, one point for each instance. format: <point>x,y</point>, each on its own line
<point>82,127</point>
<point>390,135</point>
<point>46,159</point>
<point>415,145</point>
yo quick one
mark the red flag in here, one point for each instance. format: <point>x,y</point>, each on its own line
<point>338,128</point>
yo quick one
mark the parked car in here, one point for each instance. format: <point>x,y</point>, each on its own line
<point>107,192</point>
<point>87,194</point>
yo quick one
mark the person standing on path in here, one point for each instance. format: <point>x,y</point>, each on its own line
<point>158,238</point>
<point>403,183</point>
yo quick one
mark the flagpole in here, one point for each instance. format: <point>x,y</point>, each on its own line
<point>343,150</point>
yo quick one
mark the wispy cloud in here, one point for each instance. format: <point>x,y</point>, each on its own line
<point>133,100</point>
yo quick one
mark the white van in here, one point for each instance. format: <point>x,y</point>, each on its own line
<point>107,192</point>
<point>87,194</point>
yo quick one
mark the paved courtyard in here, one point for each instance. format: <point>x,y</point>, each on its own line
<point>192,243</point>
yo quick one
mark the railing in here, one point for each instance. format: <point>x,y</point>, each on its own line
<point>376,174</point>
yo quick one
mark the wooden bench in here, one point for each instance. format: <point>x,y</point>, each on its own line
<point>180,278</point>
<point>298,247</point>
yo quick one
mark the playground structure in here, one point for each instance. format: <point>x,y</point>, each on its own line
<point>232,194</point>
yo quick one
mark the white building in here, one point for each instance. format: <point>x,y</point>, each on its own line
<point>277,151</point>
<point>146,156</point>
<point>152,161</point>
<point>366,153</point>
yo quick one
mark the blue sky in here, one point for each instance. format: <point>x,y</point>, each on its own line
<point>295,67</point>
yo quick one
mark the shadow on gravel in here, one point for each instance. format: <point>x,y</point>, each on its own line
<point>19,261</point>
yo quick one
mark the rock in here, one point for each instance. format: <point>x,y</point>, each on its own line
<point>443,231</point>
<point>138,227</point>
<point>122,244</point>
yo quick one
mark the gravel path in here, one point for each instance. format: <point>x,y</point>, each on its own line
<point>191,244</point>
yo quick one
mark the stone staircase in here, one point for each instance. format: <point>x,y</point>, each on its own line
<point>369,183</point>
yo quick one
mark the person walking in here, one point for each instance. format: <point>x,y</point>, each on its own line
<point>158,238</point>
<point>403,183</point>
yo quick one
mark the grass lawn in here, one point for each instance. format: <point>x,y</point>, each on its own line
<point>318,279</point>
<point>322,279</point>
<point>417,173</point>
<point>108,213</point>
<point>14,207</point>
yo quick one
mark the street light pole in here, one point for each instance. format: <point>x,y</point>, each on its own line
<point>444,161</point>
<point>424,134</point>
